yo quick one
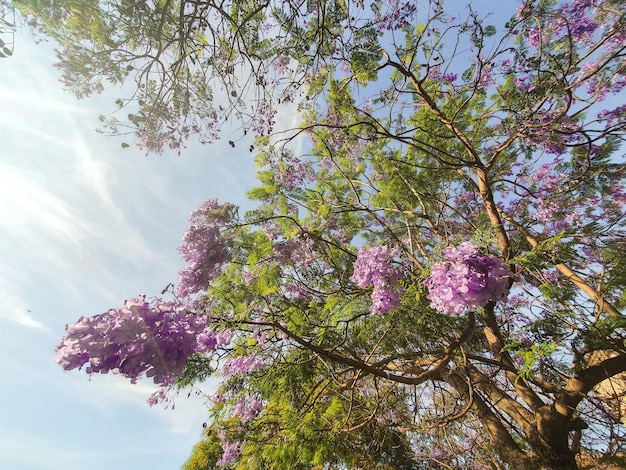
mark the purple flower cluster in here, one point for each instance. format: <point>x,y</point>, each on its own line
<point>230,450</point>
<point>291,172</point>
<point>139,338</point>
<point>467,279</point>
<point>248,407</point>
<point>384,299</point>
<point>613,116</point>
<point>204,247</point>
<point>570,21</point>
<point>435,74</point>
<point>241,365</point>
<point>300,250</point>
<point>551,206</point>
<point>263,119</point>
<point>373,268</point>
<point>484,78</point>
<point>553,129</point>
<point>552,197</point>
<point>398,15</point>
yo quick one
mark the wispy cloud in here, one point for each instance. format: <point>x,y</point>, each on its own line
<point>26,205</point>
<point>16,311</point>
<point>109,394</point>
<point>20,450</point>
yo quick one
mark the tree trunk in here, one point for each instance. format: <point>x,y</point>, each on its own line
<point>550,442</point>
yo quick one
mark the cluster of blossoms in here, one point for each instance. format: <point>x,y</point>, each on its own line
<point>544,196</point>
<point>549,194</point>
<point>139,338</point>
<point>373,268</point>
<point>263,119</point>
<point>292,172</point>
<point>398,15</point>
<point>248,407</point>
<point>347,144</point>
<point>204,248</point>
<point>241,365</point>
<point>436,75</point>
<point>552,129</point>
<point>483,79</point>
<point>230,450</point>
<point>570,21</point>
<point>467,279</point>
<point>613,117</point>
<point>299,250</point>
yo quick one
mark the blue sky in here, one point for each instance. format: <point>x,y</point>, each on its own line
<point>84,225</point>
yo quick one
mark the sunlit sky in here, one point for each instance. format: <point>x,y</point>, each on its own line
<point>85,224</point>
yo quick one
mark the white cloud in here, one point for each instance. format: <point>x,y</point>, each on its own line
<point>17,311</point>
<point>26,206</point>
<point>25,450</point>
<point>95,174</point>
<point>183,416</point>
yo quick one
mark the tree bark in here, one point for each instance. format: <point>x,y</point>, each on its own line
<point>548,436</point>
<point>550,444</point>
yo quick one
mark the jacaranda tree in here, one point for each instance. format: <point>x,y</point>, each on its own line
<point>434,281</point>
